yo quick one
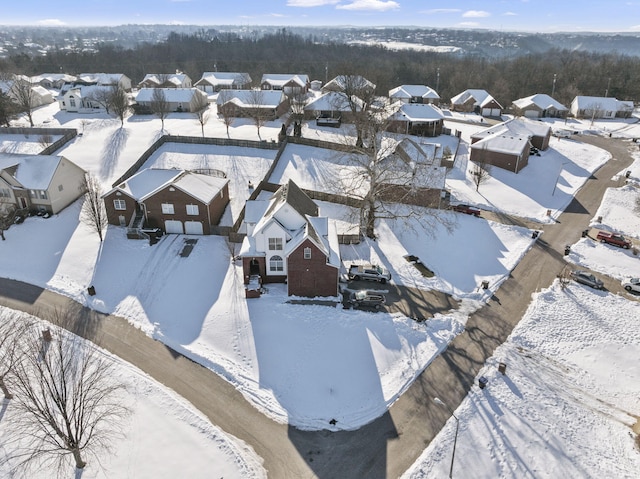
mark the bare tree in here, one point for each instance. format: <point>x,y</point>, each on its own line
<point>297,100</point>
<point>8,109</point>
<point>119,102</point>
<point>24,96</point>
<point>480,171</point>
<point>159,105</point>
<point>7,211</point>
<point>102,96</point>
<point>357,96</point>
<point>258,112</point>
<point>201,109</point>
<point>228,119</point>
<point>93,213</point>
<point>13,325</point>
<point>45,140</point>
<point>68,402</point>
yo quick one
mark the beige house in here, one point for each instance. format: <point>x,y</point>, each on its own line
<point>178,99</point>
<point>40,183</point>
<point>165,80</point>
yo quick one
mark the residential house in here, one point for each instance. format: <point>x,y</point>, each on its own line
<point>40,183</point>
<point>82,99</point>
<point>417,119</point>
<point>352,84</point>
<point>476,101</point>
<point>539,106</point>
<point>212,82</point>
<point>53,80</point>
<point>600,107</point>
<point>414,94</point>
<point>332,105</point>
<point>165,80</point>
<point>178,99</point>
<point>270,104</point>
<point>104,79</point>
<point>291,243</point>
<point>291,85</point>
<point>20,88</point>
<point>413,174</point>
<point>508,145</point>
<point>176,201</point>
<point>537,132</point>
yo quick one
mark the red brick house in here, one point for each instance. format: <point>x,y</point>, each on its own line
<point>289,242</point>
<point>476,101</point>
<point>175,201</point>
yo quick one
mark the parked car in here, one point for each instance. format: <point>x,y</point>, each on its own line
<point>366,299</point>
<point>632,285</point>
<point>369,272</point>
<point>584,277</point>
<point>466,209</point>
<point>614,239</point>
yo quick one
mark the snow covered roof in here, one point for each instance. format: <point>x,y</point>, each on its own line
<point>355,82</point>
<point>173,95</point>
<point>53,77</point>
<point>280,79</point>
<point>413,91</point>
<point>413,164</point>
<point>516,127</point>
<point>101,78</point>
<point>34,172</point>
<point>251,98</point>
<point>145,183</point>
<point>161,78</point>
<point>503,143</point>
<point>332,101</point>
<point>225,78</point>
<point>85,91</point>
<point>481,97</point>
<point>602,103</point>
<point>417,112</point>
<point>542,101</point>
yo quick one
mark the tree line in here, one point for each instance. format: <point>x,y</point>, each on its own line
<point>561,72</point>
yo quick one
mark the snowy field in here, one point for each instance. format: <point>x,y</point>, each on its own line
<point>164,436</point>
<point>25,144</point>
<point>568,401</point>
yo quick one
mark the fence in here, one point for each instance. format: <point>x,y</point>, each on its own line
<point>68,134</point>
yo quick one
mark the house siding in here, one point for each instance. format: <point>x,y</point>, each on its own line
<point>501,160</point>
<point>113,215</point>
<point>311,277</point>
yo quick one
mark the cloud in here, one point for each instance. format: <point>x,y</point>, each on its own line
<point>310,3</point>
<point>51,22</point>
<point>436,11</point>
<point>475,14</point>
<point>510,14</point>
<point>378,5</point>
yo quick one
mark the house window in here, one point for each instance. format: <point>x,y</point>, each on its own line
<point>167,208</point>
<point>42,194</point>
<point>275,244</point>
<point>119,204</point>
<point>276,264</point>
<point>5,193</point>
<point>72,102</point>
<point>192,210</point>
<point>60,187</point>
<point>307,253</point>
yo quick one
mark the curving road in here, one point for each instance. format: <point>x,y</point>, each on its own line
<point>389,445</point>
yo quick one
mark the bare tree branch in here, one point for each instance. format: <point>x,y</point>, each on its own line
<point>159,105</point>
<point>93,213</point>
<point>13,325</point>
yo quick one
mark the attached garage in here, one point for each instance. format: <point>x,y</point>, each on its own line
<point>173,227</point>
<point>531,114</point>
<point>491,112</point>
<point>193,228</point>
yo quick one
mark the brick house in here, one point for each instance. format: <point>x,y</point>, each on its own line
<point>415,94</point>
<point>417,119</point>
<point>40,183</point>
<point>539,133</point>
<point>289,84</point>
<point>212,82</point>
<point>476,101</point>
<point>539,106</point>
<point>288,242</point>
<point>176,201</point>
<point>165,80</point>
<point>269,104</point>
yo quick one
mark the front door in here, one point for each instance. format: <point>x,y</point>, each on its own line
<point>23,202</point>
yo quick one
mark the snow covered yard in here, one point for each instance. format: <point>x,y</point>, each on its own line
<point>568,401</point>
<point>164,436</point>
<point>25,144</point>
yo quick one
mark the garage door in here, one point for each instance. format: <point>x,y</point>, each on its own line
<point>193,227</point>
<point>173,226</point>
<point>531,114</point>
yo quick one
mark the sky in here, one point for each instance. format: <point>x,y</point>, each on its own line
<point>508,15</point>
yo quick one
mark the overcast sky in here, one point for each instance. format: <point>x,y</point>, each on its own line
<point>519,15</point>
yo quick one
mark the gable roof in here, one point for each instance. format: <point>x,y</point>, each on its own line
<point>413,91</point>
<point>247,98</point>
<point>84,91</point>
<point>280,79</point>
<point>412,164</point>
<point>480,97</point>
<point>173,95</point>
<point>601,103</point>
<point>291,194</point>
<point>33,172</point>
<point>504,143</point>
<point>101,78</point>
<point>147,182</point>
<point>541,100</point>
<point>341,82</point>
<point>225,78</point>
<point>332,101</point>
<point>161,78</point>
<point>516,127</point>
<point>417,112</point>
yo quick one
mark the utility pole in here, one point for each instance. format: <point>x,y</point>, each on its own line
<point>606,93</point>
<point>326,73</point>
<point>553,89</point>
<point>437,79</point>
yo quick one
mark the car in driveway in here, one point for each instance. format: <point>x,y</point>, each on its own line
<point>614,239</point>
<point>632,285</point>
<point>366,299</point>
<point>586,278</point>
<point>466,209</point>
<point>369,272</point>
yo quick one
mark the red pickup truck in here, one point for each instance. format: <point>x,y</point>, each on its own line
<point>614,239</point>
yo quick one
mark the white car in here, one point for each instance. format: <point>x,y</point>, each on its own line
<point>632,284</point>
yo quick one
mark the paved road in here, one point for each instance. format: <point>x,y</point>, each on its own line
<point>389,445</point>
